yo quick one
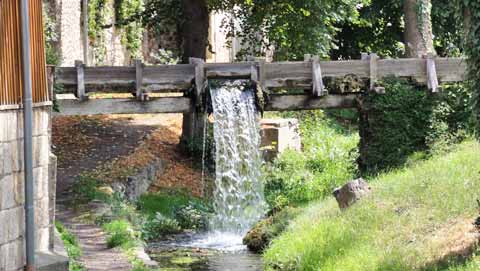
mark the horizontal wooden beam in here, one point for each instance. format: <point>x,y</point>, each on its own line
<point>308,102</point>
<point>72,106</point>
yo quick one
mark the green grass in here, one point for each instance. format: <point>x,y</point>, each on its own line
<point>167,203</point>
<point>327,161</point>
<point>71,246</point>
<point>393,229</point>
<point>120,233</point>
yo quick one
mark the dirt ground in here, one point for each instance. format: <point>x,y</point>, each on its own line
<point>110,148</point>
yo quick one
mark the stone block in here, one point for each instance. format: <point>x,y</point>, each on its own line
<point>40,176</point>
<point>41,121</point>
<point>41,150</point>
<point>17,158</point>
<point>42,239</point>
<point>351,192</point>
<point>2,159</point>
<point>279,135</point>
<point>42,218</point>
<point>19,187</point>
<point>12,255</point>
<point>51,262</point>
<point>7,193</point>
<point>3,125</point>
<point>7,158</point>
<point>12,224</point>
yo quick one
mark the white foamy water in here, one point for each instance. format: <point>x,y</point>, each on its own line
<point>238,197</point>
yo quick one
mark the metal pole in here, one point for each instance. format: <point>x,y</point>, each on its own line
<point>27,128</point>
<point>85,31</point>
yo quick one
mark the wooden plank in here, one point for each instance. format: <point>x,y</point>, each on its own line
<point>228,70</point>
<point>318,88</point>
<point>451,69</point>
<point>432,80</point>
<point>307,102</point>
<point>162,77</point>
<point>69,107</point>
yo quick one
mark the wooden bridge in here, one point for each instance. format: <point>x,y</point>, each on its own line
<point>161,88</point>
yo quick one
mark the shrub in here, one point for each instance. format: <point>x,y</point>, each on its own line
<point>190,217</point>
<point>120,233</point>
<point>158,226</point>
<point>407,119</point>
<point>71,246</point>
<point>327,161</point>
<point>167,203</point>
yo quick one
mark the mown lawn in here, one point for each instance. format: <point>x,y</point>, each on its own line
<point>406,224</point>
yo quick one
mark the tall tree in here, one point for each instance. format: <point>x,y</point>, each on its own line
<point>418,28</point>
<point>194,29</point>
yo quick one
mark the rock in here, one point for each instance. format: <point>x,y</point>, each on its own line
<point>136,185</point>
<point>257,239</point>
<point>351,192</point>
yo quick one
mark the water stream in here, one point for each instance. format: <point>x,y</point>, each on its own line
<point>238,197</point>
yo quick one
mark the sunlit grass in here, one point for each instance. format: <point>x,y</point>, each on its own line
<point>391,230</point>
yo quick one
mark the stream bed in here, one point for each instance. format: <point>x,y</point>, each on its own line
<point>204,252</point>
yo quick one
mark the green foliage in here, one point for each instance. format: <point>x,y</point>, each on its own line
<point>98,12</point>
<point>326,162</point>
<point>406,120</point>
<point>191,217</point>
<point>293,28</point>
<point>380,29</point>
<point>51,36</point>
<point>120,233</point>
<point>158,226</point>
<point>132,30</point>
<point>472,50</point>
<point>71,246</point>
<point>401,226</point>
<point>167,203</point>
<point>84,190</point>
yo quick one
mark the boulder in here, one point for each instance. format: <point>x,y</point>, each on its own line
<point>351,192</point>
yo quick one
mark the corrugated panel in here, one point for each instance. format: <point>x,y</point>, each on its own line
<point>10,53</point>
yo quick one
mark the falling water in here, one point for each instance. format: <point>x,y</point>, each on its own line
<point>238,196</point>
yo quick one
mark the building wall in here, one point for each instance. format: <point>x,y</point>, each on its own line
<point>12,214</point>
<point>69,18</point>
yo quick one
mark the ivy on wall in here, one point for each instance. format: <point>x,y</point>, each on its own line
<point>125,13</point>
<point>132,30</point>
<point>472,50</point>
<point>97,17</point>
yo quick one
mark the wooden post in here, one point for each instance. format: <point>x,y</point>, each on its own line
<point>373,70</point>
<point>139,81</point>
<point>193,123</point>
<point>318,88</point>
<point>80,93</point>
<point>432,80</point>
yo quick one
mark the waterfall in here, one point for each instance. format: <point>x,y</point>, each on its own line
<point>238,196</point>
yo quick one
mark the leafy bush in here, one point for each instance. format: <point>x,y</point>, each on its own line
<point>120,233</point>
<point>326,162</point>
<point>85,189</point>
<point>407,119</point>
<point>190,217</point>
<point>167,203</point>
<point>158,226</point>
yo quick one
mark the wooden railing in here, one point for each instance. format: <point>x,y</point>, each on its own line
<point>142,81</point>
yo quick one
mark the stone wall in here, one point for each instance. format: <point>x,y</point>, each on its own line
<point>69,19</point>
<point>12,215</point>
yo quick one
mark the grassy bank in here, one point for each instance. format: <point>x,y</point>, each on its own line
<point>413,220</point>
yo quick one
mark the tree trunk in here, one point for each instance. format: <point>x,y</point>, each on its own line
<point>194,30</point>
<point>418,28</point>
<point>194,35</point>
